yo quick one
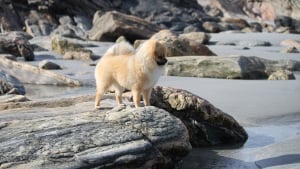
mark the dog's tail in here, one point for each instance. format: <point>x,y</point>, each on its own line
<point>121,48</point>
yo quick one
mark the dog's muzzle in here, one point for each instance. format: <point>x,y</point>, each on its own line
<point>162,62</point>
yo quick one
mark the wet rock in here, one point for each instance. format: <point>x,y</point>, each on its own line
<point>290,43</point>
<point>39,24</point>
<point>26,73</point>
<point>207,124</point>
<point>48,65</point>
<point>145,137</point>
<point>212,27</point>
<point>290,50</point>
<point>17,45</point>
<point>114,24</point>
<point>183,45</point>
<point>72,29</point>
<point>62,45</point>
<point>12,98</point>
<point>9,84</point>
<point>85,55</point>
<point>254,43</point>
<point>199,37</point>
<point>282,75</point>
<point>236,23</point>
<point>235,67</point>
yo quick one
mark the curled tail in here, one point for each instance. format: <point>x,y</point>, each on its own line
<point>121,48</point>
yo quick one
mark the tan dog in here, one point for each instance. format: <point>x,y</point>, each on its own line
<point>122,68</point>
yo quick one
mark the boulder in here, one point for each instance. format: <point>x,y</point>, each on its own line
<point>183,45</point>
<point>290,50</point>
<point>212,27</point>
<point>282,75</point>
<point>32,75</point>
<point>290,43</point>
<point>48,65</point>
<point>73,137</point>
<point>62,45</point>
<point>114,24</point>
<point>234,67</point>
<point>236,23</point>
<point>10,85</point>
<point>39,23</point>
<point>85,55</point>
<point>198,37</point>
<point>17,45</point>
<point>207,124</point>
<point>72,29</point>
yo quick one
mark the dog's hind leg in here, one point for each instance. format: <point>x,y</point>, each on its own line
<point>118,92</point>
<point>101,89</point>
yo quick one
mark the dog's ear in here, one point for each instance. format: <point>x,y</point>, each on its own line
<point>164,47</point>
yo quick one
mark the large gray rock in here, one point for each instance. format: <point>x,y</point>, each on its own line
<point>9,84</point>
<point>184,44</point>
<point>16,44</point>
<point>72,137</point>
<point>29,74</point>
<point>207,124</point>
<point>235,67</point>
<point>114,24</point>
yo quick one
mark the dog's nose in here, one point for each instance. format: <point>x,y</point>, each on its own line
<point>162,62</point>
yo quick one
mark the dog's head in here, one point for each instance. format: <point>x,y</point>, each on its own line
<point>153,51</point>
<point>160,53</point>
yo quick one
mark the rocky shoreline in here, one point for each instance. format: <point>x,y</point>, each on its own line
<point>58,44</point>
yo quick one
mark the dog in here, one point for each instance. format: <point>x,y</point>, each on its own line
<point>122,67</point>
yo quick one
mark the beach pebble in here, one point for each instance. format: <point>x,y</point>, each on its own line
<point>46,64</point>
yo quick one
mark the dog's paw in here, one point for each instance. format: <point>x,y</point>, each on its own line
<point>97,107</point>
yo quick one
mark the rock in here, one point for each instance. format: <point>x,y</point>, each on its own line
<point>72,137</point>
<point>282,75</point>
<point>9,84</point>
<point>182,46</point>
<point>86,55</point>
<point>68,28</point>
<point>212,27</point>
<point>290,43</point>
<point>234,67</point>
<point>114,24</point>
<point>48,65</point>
<point>236,23</point>
<point>254,43</point>
<point>26,73</point>
<point>199,37</point>
<point>39,24</point>
<point>62,45</point>
<point>207,124</point>
<point>290,50</point>
<point>8,56</point>
<point>17,45</point>
<point>15,98</point>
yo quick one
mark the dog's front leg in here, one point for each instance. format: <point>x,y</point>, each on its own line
<point>146,96</point>
<point>136,97</point>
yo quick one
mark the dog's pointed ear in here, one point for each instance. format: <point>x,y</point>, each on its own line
<point>165,46</point>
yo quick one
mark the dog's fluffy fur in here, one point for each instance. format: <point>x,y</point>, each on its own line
<point>122,67</point>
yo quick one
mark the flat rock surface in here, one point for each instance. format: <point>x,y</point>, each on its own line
<point>67,133</point>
